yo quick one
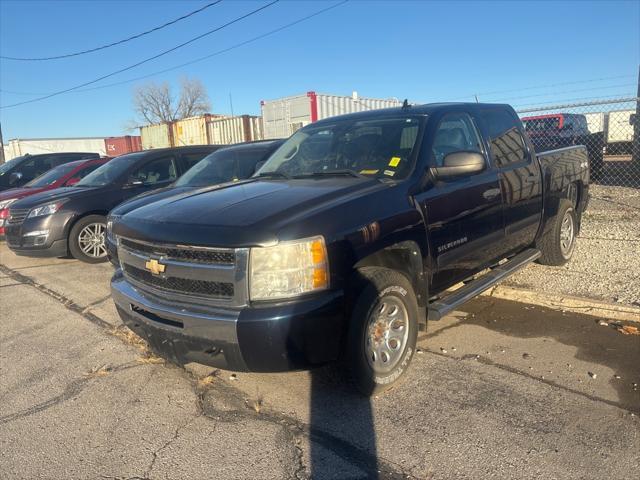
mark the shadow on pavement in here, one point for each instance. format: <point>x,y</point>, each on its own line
<point>593,342</point>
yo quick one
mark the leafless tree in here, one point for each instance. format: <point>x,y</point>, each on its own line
<point>155,103</point>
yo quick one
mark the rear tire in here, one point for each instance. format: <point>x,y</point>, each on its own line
<point>558,244</point>
<point>86,240</point>
<point>383,330</point>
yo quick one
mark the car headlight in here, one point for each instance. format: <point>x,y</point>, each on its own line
<point>48,209</point>
<point>5,203</point>
<point>110,235</point>
<point>288,269</point>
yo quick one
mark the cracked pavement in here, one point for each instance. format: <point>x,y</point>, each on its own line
<point>500,390</point>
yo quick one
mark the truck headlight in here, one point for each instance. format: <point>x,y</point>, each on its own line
<point>48,209</point>
<point>288,269</point>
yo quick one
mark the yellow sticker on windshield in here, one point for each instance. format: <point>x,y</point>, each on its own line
<point>368,172</point>
<point>389,172</point>
<point>394,161</point>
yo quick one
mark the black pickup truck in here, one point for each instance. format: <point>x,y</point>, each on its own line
<point>347,240</point>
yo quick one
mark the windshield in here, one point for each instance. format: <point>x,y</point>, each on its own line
<point>5,167</point>
<point>225,165</point>
<point>381,148</point>
<point>110,171</point>
<point>51,176</point>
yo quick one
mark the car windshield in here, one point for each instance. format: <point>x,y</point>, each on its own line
<point>225,165</point>
<point>51,176</point>
<point>381,148</point>
<point>110,171</point>
<point>5,167</point>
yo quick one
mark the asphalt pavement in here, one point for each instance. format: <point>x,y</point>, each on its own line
<point>498,390</point>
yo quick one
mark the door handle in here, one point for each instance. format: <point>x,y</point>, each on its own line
<point>491,193</point>
<point>531,178</point>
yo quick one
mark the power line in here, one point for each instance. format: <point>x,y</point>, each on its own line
<point>119,42</point>
<point>545,86</point>
<point>60,92</point>
<point>205,57</point>
<point>549,94</point>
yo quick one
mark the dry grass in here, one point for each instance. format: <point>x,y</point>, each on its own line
<point>257,404</point>
<point>149,359</point>
<point>129,337</point>
<point>102,371</point>
<point>206,381</point>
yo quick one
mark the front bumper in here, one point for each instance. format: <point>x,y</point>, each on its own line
<point>266,338</point>
<point>20,238</point>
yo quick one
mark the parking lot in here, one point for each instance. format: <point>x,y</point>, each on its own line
<point>501,389</point>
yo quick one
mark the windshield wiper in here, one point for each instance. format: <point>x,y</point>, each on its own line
<point>273,175</point>
<point>327,173</point>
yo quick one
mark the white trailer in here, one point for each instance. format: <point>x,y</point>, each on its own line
<point>283,116</point>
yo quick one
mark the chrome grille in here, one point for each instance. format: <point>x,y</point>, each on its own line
<point>17,215</point>
<point>191,254</point>
<point>186,274</point>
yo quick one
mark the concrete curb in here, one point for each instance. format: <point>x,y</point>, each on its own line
<point>567,303</point>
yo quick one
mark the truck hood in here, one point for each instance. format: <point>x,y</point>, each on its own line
<point>242,214</point>
<point>148,198</point>
<point>52,196</point>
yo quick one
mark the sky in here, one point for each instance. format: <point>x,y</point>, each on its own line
<point>523,53</point>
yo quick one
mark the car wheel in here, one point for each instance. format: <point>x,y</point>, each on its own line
<point>558,244</point>
<point>86,240</point>
<point>383,329</point>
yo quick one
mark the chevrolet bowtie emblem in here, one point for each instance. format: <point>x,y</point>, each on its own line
<point>154,266</point>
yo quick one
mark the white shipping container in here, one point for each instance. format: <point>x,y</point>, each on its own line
<point>618,128</point>
<point>595,122</point>
<point>282,117</point>
<point>227,131</point>
<point>34,146</point>
<point>155,136</point>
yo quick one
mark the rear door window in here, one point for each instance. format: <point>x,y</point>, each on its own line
<point>506,142</point>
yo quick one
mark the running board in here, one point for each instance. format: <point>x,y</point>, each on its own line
<point>441,307</point>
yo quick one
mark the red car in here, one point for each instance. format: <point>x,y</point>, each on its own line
<point>64,175</point>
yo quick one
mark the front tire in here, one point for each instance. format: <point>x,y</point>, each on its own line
<point>558,244</point>
<point>383,330</point>
<point>86,240</point>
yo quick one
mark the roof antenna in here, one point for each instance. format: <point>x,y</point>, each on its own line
<point>405,104</point>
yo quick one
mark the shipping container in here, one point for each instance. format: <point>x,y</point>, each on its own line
<point>115,146</point>
<point>191,131</point>
<point>226,131</point>
<point>21,146</point>
<point>595,122</point>
<point>282,117</point>
<point>619,128</point>
<point>156,136</point>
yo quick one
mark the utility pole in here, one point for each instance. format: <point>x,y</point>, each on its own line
<point>1,146</point>
<point>231,103</point>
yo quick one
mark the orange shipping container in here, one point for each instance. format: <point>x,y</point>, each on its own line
<point>115,146</point>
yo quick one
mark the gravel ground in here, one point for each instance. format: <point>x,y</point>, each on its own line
<point>606,262</point>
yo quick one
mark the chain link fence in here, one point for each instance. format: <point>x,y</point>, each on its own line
<point>609,128</point>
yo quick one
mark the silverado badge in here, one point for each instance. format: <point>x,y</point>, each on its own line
<point>155,267</point>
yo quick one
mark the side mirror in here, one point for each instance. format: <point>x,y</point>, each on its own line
<point>14,178</point>
<point>72,181</point>
<point>460,164</point>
